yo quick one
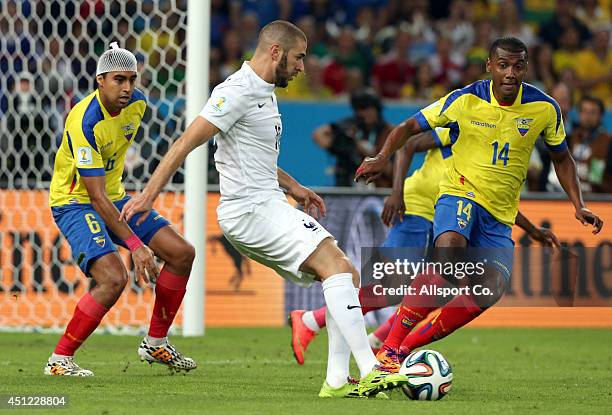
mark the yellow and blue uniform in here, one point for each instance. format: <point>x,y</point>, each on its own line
<point>420,194</point>
<point>491,144</point>
<point>94,143</point>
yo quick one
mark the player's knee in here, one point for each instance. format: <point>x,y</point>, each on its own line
<point>115,281</point>
<point>186,255</point>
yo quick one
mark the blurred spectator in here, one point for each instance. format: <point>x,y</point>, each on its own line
<point>592,15</point>
<point>307,85</point>
<point>393,71</point>
<point>590,147</point>
<point>423,87</point>
<point>446,64</point>
<point>562,20</point>
<point>509,23</point>
<point>346,55</point>
<point>483,38</point>
<point>458,27</point>
<point>541,72</point>
<point>316,44</point>
<point>540,162</point>
<point>594,67</point>
<point>231,54</point>
<point>569,45</point>
<point>353,138</point>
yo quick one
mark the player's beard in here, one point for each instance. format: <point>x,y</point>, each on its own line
<point>281,75</point>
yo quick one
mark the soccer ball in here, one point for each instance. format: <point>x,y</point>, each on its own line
<point>429,375</point>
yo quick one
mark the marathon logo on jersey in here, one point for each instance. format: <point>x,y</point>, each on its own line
<point>483,124</point>
<point>128,131</point>
<point>84,156</point>
<point>100,240</point>
<point>470,194</point>
<point>523,125</point>
<point>218,105</point>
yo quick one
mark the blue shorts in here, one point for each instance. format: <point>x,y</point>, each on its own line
<point>479,227</point>
<point>412,232</point>
<point>90,238</point>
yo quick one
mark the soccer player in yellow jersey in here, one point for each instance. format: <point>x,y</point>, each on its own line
<point>409,211</point>
<point>86,196</point>
<point>493,126</point>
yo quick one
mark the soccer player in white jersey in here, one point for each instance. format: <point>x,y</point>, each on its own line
<point>242,114</point>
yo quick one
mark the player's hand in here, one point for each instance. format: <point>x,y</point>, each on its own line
<point>312,203</point>
<point>546,237</point>
<point>371,168</point>
<point>144,264</point>
<point>586,217</point>
<point>394,205</point>
<point>137,204</point>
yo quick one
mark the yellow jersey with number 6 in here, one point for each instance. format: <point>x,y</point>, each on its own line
<point>94,143</point>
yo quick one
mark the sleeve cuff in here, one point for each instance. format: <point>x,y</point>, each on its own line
<point>423,123</point>
<point>557,148</point>
<point>436,138</point>
<point>91,172</point>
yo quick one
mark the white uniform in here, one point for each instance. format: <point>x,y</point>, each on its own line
<point>254,213</point>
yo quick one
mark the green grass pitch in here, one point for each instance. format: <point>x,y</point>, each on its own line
<point>252,371</point>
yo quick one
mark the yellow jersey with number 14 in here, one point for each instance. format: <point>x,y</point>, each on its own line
<point>94,143</point>
<point>492,143</point>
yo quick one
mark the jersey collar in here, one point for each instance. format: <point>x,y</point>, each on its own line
<point>257,79</point>
<point>104,110</point>
<point>517,101</point>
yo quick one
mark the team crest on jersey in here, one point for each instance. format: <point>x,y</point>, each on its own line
<point>100,240</point>
<point>310,225</point>
<point>128,131</point>
<point>462,223</point>
<point>218,106</point>
<point>523,125</point>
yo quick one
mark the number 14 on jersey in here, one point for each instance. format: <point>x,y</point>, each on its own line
<point>500,154</point>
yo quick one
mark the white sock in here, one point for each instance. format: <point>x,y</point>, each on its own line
<point>375,342</point>
<point>309,321</point>
<point>338,355</point>
<point>156,341</point>
<point>343,306</point>
<point>55,357</point>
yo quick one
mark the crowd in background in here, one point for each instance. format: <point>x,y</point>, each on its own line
<point>415,50</point>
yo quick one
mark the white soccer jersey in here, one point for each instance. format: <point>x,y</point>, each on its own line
<point>244,108</point>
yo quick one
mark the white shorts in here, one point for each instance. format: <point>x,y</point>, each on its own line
<point>278,236</point>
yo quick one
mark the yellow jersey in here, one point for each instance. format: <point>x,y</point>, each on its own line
<point>492,143</point>
<point>421,188</point>
<point>94,143</point>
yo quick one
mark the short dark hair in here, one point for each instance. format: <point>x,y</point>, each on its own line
<point>365,98</point>
<point>510,44</point>
<point>283,32</point>
<point>594,100</point>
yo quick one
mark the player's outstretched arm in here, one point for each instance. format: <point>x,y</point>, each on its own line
<point>394,204</point>
<point>312,203</point>
<point>199,132</point>
<point>144,262</point>
<point>565,168</point>
<point>543,235</point>
<point>372,167</point>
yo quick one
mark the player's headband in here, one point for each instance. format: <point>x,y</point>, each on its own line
<point>116,60</point>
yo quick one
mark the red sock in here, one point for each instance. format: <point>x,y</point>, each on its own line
<point>87,316</point>
<point>370,301</point>
<point>383,330</point>
<point>408,314</point>
<point>319,316</point>
<point>457,313</point>
<point>169,292</point>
